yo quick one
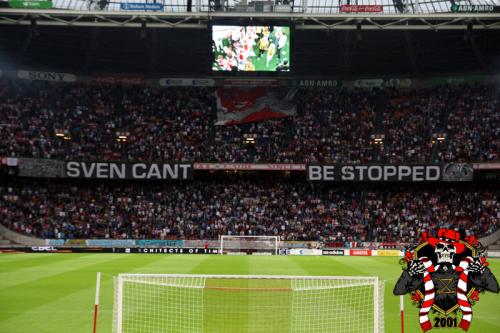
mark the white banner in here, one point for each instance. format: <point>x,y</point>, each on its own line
<point>9,161</point>
<point>371,83</point>
<point>186,82</point>
<point>486,166</point>
<point>317,83</point>
<point>249,166</point>
<point>306,252</point>
<point>493,254</point>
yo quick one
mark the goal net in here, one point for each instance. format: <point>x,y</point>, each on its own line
<point>154,303</point>
<point>249,244</point>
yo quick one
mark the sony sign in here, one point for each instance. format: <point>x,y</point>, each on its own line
<point>46,76</point>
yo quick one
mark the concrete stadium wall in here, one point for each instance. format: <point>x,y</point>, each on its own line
<point>20,239</point>
<point>491,239</point>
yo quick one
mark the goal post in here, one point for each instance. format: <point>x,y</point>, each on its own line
<point>230,244</point>
<point>247,303</point>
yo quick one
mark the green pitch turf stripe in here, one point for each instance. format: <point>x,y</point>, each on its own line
<point>66,296</point>
<point>223,265</point>
<point>486,319</point>
<point>47,268</point>
<point>32,261</point>
<point>332,266</point>
<point>171,264</point>
<point>55,281</point>
<point>64,303</point>
<point>19,257</point>
<point>277,265</point>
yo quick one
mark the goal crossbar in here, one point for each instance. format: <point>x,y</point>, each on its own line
<point>368,281</point>
<point>270,277</point>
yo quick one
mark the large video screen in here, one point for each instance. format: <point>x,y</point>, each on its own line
<point>251,48</point>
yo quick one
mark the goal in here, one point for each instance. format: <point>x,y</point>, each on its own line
<point>249,244</point>
<point>151,303</point>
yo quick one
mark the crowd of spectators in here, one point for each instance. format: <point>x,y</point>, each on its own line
<point>168,125</point>
<point>178,124</point>
<point>474,126</point>
<point>410,121</point>
<point>270,137</point>
<point>333,126</point>
<point>209,208</point>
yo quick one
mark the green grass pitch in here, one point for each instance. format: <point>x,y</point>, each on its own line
<point>55,292</point>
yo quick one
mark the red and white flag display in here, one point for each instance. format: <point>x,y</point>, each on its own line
<point>239,106</point>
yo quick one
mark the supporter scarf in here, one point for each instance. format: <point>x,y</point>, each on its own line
<point>425,324</point>
<point>463,302</point>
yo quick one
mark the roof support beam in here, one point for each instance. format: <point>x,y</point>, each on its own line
<point>411,52</point>
<point>198,20</point>
<point>94,38</point>
<point>479,55</point>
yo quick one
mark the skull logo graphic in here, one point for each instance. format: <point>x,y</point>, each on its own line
<point>445,252</point>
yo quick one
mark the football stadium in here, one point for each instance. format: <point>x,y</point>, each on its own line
<point>249,166</point>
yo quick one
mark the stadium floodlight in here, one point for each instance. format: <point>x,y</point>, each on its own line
<point>61,133</point>
<point>247,303</point>
<point>122,136</point>
<point>230,244</point>
<point>378,139</point>
<point>438,138</point>
<point>250,139</point>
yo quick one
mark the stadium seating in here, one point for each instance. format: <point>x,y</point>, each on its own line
<point>177,124</point>
<point>206,209</point>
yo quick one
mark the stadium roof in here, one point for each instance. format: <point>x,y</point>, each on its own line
<point>307,14</point>
<point>399,40</point>
<point>323,53</point>
<point>295,6</point>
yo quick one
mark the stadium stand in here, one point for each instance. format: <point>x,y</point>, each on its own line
<point>331,125</point>
<point>206,209</point>
<point>374,137</point>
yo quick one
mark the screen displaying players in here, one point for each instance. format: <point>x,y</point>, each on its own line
<point>251,48</point>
